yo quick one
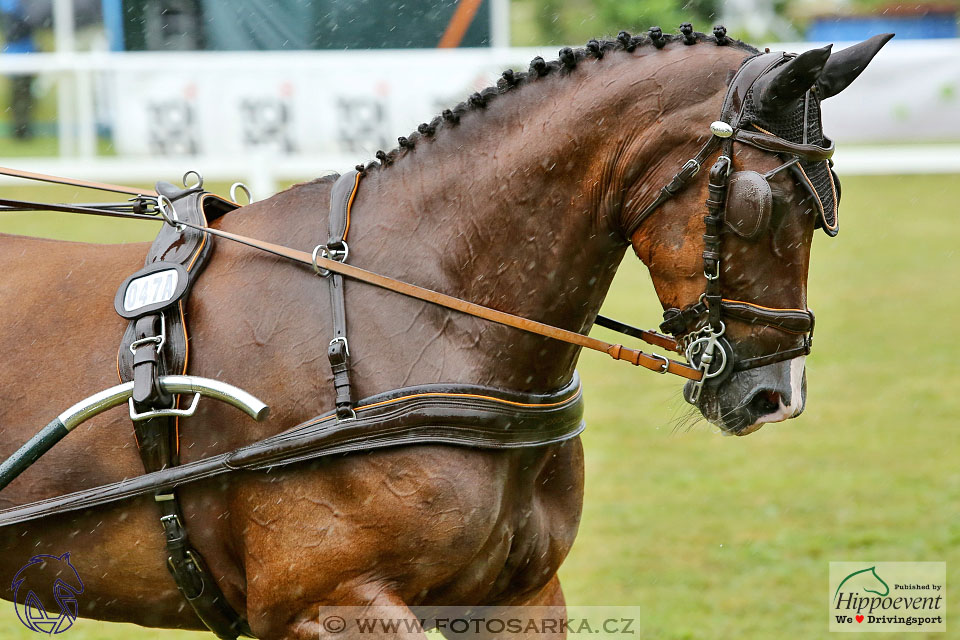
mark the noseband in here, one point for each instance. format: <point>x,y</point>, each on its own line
<point>699,327</point>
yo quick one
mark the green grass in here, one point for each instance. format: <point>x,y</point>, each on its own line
<point>713,537</point>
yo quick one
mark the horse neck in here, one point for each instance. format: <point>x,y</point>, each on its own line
<point>518,208</point>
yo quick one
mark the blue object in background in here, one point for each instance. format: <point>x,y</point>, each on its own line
<point>113,23</point>
<point>855,28</point>
<point>19,35</point>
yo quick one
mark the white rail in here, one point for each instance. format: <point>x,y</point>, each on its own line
<point>408,86</point>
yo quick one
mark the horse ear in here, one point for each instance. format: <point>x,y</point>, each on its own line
<point>780,87</point>
<point>844,66</point>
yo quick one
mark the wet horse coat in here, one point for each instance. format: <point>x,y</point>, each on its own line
<point>519,207</point>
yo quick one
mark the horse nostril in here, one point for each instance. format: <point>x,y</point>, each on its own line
<point>765,403</point>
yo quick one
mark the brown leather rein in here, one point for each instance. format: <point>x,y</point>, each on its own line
<point>657,363</point>
<point>324,265</point>
<point>654,362</point>
<point>712,346</point>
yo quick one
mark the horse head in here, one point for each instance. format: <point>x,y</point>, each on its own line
<point>50,580</point>
<point>774,200</point>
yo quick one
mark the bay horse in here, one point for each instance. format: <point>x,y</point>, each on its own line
<point>519,199</point>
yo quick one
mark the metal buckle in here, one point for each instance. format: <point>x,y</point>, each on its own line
<point>159,340</point>
<point>346,345</point>
<point>666,362</point>
<point>171,220</point>
<point>330,253</point>
<point>351,416</point>
<point>716,273</point>
<point>729,164</point>
<point>339,251</point>
<point>160,413</point>
<point>691,164</point>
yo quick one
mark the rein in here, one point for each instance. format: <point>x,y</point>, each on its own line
<point>702,342</point>
<point>324,265</point>
<point>660,364</point>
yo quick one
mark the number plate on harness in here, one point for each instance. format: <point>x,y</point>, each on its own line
<point>150,290</point>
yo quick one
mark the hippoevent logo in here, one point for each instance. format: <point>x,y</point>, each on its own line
<point>888,596</point>
<point>52,580</point>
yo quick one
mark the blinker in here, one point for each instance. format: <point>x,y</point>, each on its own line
<point>749,204</point>
<point>750,201</point>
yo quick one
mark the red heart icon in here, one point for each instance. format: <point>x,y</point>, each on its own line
<point>859,618</point>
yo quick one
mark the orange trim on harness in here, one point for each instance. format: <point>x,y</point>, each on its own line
<point>353,195</point>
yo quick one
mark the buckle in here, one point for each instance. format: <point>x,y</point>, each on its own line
<point>338,352</point>
<point>729,163</point>
<point>160,413</point>
<point>343,340</point>
<point>716,272</point>
<point>159,340</point>
<point>338,252</point>
<point>666,363</point>
<point>691,165</point>
<point>172,528</point>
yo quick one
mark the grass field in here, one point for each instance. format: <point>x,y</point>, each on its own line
<point>713,537</point>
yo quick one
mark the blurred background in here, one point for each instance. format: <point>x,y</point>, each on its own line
<point>268,90</point>
<point>708,537</point>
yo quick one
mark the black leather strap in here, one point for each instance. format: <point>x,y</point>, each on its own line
<point>463,415</point>
<point>338,352</point>
<point>160,348</point>
<point>773,358</point>
<point>677,184</point>
<point>193,578</point>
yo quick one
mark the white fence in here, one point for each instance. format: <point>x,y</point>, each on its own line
<point>264,116</point>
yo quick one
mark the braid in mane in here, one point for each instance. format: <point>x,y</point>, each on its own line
<point>539,68</point>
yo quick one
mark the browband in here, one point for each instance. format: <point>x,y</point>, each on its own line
<point>806,152</point>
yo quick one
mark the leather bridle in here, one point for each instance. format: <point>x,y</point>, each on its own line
<point>699,327</point>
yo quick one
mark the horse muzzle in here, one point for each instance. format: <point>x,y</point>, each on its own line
<point>746,400</point>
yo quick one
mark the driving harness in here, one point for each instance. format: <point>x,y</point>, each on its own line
<point>699,327</point>
<point>155,344</point>
<point>156,341</point>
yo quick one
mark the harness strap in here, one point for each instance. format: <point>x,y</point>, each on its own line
<point>465,415</point>
<point>677,184</point>
<point>159,345</point>
<point>766,142</point>
<point>773,358</point>
<point>716,199</point>
<point>338,352</point>
<point>84,184</point>
<point>680,321</point>
<point>660,364</point>
<point>650,337</point>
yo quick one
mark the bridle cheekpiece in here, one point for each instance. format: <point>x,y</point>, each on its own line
<point>700,327</point>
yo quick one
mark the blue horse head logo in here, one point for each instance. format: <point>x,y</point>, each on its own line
<point>44,574</point>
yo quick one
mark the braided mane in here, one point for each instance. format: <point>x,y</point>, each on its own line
<point>539,68</point>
